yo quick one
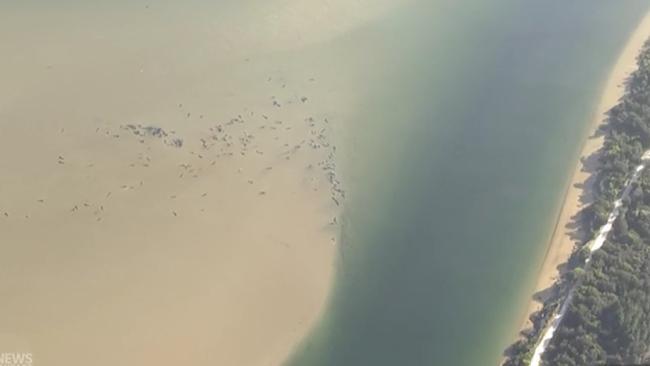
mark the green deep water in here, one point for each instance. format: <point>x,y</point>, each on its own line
<point>458,161</point>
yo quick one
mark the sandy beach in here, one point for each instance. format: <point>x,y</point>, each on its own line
<point>564,237</point>
<point>170,189</point>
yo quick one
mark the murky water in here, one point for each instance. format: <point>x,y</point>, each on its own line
<point>459,166</point>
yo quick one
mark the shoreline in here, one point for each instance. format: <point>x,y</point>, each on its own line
<point>564,238</point>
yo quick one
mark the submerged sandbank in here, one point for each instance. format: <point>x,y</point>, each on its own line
<point>170,186</point>
<point>565,235</point>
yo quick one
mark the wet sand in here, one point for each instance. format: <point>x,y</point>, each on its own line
<point>578,194</point>
<point>170,186</point>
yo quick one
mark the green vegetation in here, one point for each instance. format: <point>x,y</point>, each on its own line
<point>609,317</point>
<point>608,320</point>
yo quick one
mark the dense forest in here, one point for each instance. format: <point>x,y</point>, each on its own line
<point>608,320</point>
